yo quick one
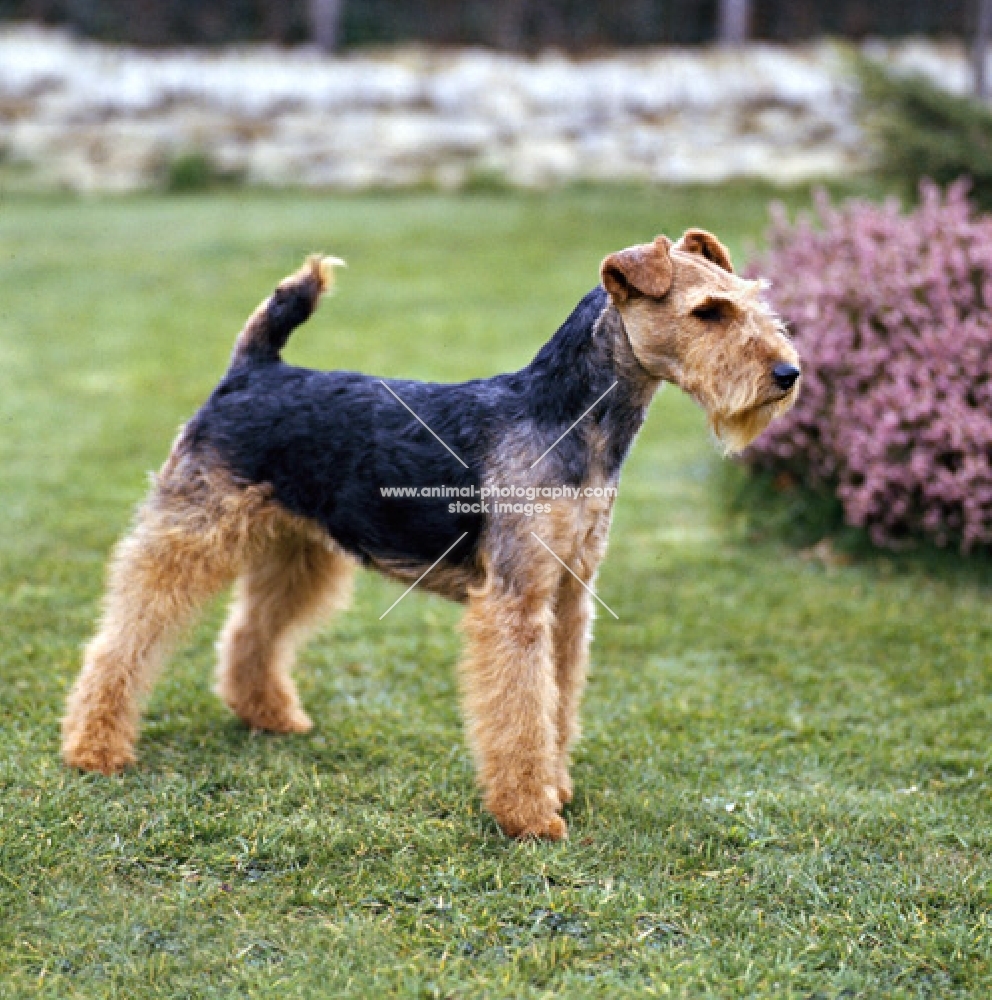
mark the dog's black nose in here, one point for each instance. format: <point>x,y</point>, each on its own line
<point>785,376</point>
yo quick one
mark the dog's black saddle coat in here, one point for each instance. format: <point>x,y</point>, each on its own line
<point>328,443</point>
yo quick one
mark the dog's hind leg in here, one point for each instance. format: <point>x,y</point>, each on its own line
<point>285,590</point>
<point>174,560</point>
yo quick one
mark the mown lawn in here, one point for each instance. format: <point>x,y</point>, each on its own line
<point>784,785</point>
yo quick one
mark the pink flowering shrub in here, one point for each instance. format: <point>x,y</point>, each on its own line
<point>892,315</point>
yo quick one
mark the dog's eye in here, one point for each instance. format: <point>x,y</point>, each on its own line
<point>709,312</point>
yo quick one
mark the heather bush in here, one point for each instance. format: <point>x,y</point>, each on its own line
<point>891,314</point>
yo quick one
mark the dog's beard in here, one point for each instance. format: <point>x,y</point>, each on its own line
<point>735,431</point>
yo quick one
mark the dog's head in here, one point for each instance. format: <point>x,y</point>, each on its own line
<point>690,320</point>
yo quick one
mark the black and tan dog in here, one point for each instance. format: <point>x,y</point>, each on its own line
<point>280,483</point>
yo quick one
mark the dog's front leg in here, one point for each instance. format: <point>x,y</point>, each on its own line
<point>511,705</point>
<point>572,635</point>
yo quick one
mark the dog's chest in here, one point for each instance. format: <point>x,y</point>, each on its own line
<point>580,528</point>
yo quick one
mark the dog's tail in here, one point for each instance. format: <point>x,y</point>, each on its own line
<point>294,300</point>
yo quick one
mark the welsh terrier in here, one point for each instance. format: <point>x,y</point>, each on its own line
<point>285,480</point>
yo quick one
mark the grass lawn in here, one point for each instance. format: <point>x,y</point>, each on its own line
<point>784,785</point>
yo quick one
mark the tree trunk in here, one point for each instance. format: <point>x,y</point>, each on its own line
<point>510,24</point>
<point>734,21</point>
<point>325,23</point>
<point>983,28</point>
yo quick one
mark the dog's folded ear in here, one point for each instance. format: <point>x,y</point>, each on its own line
<point>645,269</point>
<point>706,245</point>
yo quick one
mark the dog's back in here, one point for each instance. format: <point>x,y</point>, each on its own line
<point>341,449</point>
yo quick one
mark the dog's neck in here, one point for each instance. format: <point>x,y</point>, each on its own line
<point>640,384</point>
<point>589,363</point>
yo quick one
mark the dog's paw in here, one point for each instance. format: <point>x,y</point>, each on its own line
<point>270,711</point>
<point>104,756</point>
<point>565,790</point>
<point>532,817</point>
<point>286,721</point>
<point>547,828</point>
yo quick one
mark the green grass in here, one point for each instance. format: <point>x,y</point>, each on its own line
<point>784,785</point>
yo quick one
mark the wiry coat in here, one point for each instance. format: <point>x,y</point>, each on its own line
<point>280,483</point>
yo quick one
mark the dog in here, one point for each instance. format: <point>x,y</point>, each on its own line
<point>288,478</point>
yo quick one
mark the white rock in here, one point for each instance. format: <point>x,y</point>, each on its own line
<point>95,117</point>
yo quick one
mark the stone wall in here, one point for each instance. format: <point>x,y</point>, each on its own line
<point>90,117</point>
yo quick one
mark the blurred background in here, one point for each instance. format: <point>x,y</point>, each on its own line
<point>108,95</point>
<point>515,25</point>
